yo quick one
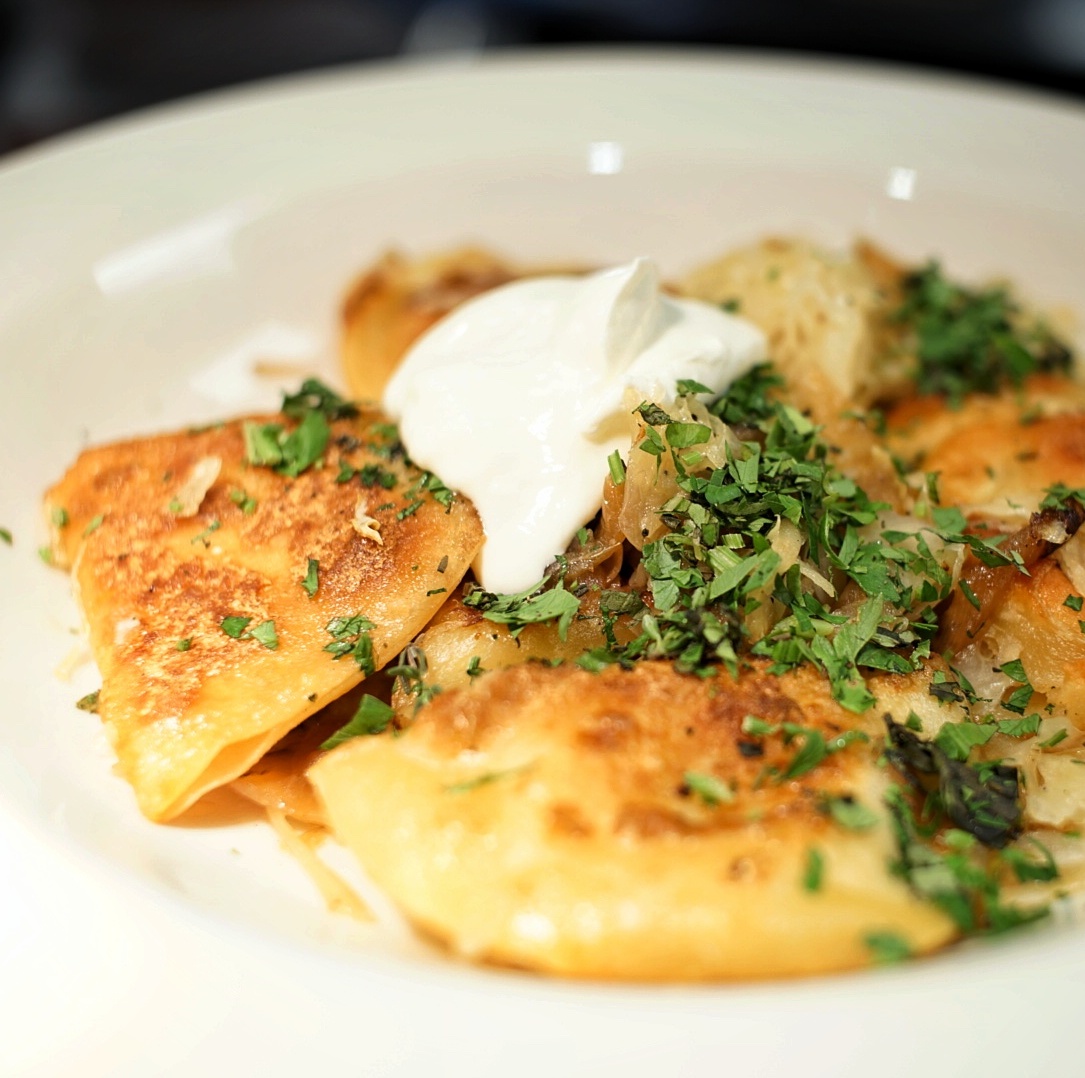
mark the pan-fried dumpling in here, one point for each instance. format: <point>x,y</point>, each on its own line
<point>236,579</point>
<point>635,824</point>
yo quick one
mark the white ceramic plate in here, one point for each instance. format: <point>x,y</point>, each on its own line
<point>145,265</point>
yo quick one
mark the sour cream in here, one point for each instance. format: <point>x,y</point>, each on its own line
<point>519,396</point>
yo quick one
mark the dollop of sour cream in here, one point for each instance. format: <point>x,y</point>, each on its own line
<point>519,396</point>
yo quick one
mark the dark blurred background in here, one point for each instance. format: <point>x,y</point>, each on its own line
<point>67,62</point>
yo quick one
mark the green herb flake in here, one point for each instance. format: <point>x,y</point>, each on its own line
<point>850,814</point>
<point>234,625</point>
<point>1055,739</point>
<point>5,536</point>
<point>711,790</point>
<point>242,500</point>
<point>59,517</point>
<point>268,445</point>
<point>813,876</point>
<point>372,716</point>
<point>957,739</point>
<point>969,594</point>
<point>968,341</point>
<point>204,536</point>
<point>94,524</point>
<point>1026,726</point>
<point>1074,602</point>
<point>684,435</point>
<point>410,670</point>
<point>653,415</point>
<point>485,779</point>
<point>887,948</point>
<point>314,396</point>
<point>262,446</point>
<point>617,468</point>
<point>529,607</point>
<point>184,643</point>
<point>751,724</point>
<point>305,444</point>
<point>311,580</point>
<point>89,702</point>
<point>265,634</point>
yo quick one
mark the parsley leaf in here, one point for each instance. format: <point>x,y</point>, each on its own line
<point>89,702</point>
<point>314,396</point>
<point>814,872</point>
<point>372,716</point>
<point>711,790</point>
<point>350,636</point>
<point>969,341</point>
<point>887,948</point>
<point>311,581</point>
<point>528,607</point>
<point>237,627</point>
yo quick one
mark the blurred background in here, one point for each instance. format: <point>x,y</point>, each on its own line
<point>64,63</point>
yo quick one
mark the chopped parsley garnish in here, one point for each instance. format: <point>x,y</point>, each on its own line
<point>372,716</point>
<point>617,468</point>
<point>1056,739</point>
<point>971,341</point>
<point>958,739</point>
<point>527,607</point>
<point>718,569</point>
<point>269,445</point>
<point>184,643</point>
<point>410,670</point>
<point>314,396</point>
<point>1026,726</point>
<point>369,475</point>
<point>89,702</point>
<point>237,627</point>
<point>711,790</point>
<point>968,341</point>
<point>94,524</point>
<point>234,625</point>
<point>813,875</point>
<point>1074,602</point>
<point>850,814</point>
<point>1019,699</point>
<point>813,747</point>
<point>265,634</point>
<point>242,500</point>
<point>887,948</point>
<point>350,636</point>
<point>483,780</point>
<point>59,517</point>
<point>5,536</point>
<point>981,800</point>
<point>305,444</point>
<point>311,580</point>
<point>430,484</point>
<point>208,531</point>
<point>952,868</point>
<point>262,444</point>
